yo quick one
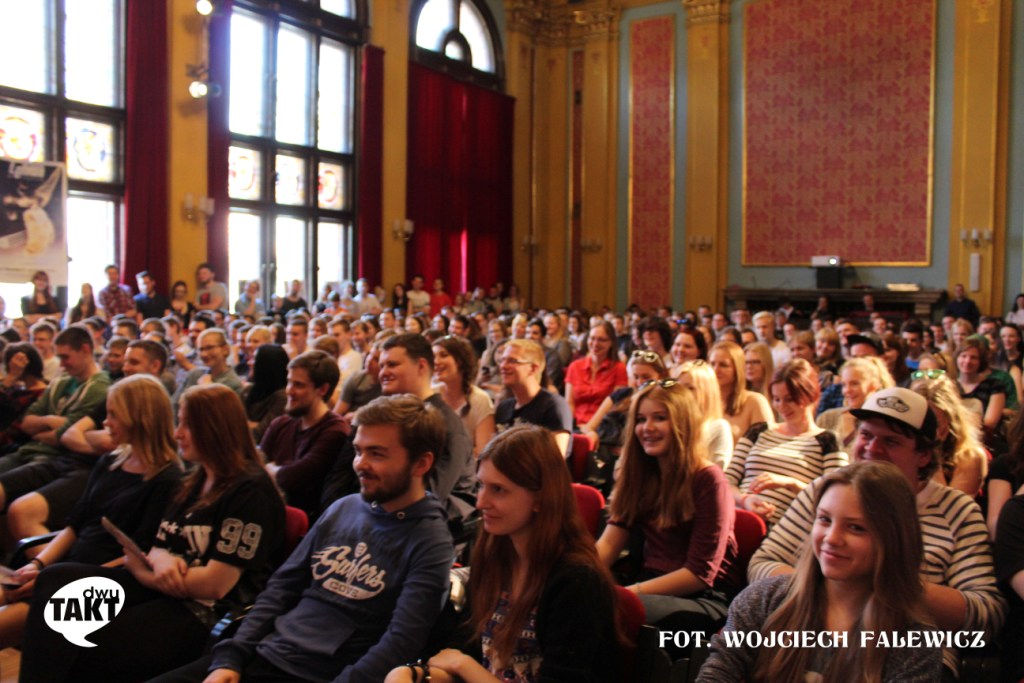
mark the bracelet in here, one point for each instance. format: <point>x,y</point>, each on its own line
<point>422,669</point>
<point>38,563</point>
<point>639,590</point>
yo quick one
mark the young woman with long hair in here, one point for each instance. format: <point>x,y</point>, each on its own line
<point>181,303</point>
<point>740,407</point>
<point>264,398</point>
<point>40,303</point>
<point>977,382</point>
<point>758,367</point>
<point>455,368</point>
<point>131,486</point>
<point>771,465</point>
<point>717,432</point>
<point>213,552</point>
<point>670,493</point>
<point>542,604</point>
<point>859,575</point>
<point>860,378</point>
<point>85,308</point>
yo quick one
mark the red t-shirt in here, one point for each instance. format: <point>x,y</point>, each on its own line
<point>587,394</point>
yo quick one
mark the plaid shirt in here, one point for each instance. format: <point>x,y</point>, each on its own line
<point>116,299</point>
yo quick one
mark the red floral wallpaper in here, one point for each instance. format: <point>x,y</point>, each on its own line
<point>651,74</point>
<point>838,111</point>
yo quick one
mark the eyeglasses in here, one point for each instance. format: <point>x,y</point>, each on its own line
<point>663,383</point>
<point>927,374</point>
<point>646,356</point>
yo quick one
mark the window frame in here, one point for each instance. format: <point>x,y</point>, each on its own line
<point>458,69</point>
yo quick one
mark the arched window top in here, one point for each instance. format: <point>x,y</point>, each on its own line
<point>460,31</point>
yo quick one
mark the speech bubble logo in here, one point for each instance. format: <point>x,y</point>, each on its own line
<point>84,606</point>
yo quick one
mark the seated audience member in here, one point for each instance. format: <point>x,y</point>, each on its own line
<point>113,359</point>
<point>977,381</point>
<point>657,336</point>
<point>801,345</point>
<point>318,621</point>
<point>758,367</point>
<point>1006,475</point>
<point>895,357</point>
<point>764,326</point>
<point>542,604</point>
<point>366,301</point>
<point>897,426</point>
<point>858,575</point>
<point>350,361</point>
<point>455,366</point>
<point>265,398</point>
<point>20,387</point>
<point>302,446</point>
<point>771,465</point>
<point>487,378</point>
<point>42,464</point>
<point>41,335</point>
<point>213,552</point>
<point>213,352</point>
<point>406,366</point>
<point>293,301</point>
<point>131,486</point>
<point>186,349</point>
<point>125,327</point>
<point>857,345</point>
<point>606,427</point>
<point>249,304</point>
<point>554,370</point>
<point>828,355</point>
<point>148,357</point>
<point>591,379</point>
<point>860,377</point>
<point>963,460</point>
<point>521,367</point>
<point>741,408</point>
<point>255,337</point>
<point>364,385</point>
<point>669,492</point>
<point>1009,557</point>
<point>715,430</point>
<point>298,336</point>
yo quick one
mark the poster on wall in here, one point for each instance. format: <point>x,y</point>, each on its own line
<point>33,220</point>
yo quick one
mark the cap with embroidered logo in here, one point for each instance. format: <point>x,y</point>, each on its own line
<point>901,405</point>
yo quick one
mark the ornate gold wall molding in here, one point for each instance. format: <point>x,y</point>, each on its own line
<point>597,23</point>
<point>706,11</point>
<point>560,26</point>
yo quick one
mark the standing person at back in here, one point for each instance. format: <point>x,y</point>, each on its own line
<point>419,298</point>
<point>148,303</point>
<point>210,294</point>
<point>116,298</point>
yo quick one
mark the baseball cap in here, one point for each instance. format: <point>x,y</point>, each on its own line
<point>869,338</point>
<point>901,405</point>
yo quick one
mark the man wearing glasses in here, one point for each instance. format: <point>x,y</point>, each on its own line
<point>521,368</point>
<point>213,354</point>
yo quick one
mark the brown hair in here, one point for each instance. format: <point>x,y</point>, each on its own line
<point>801,380</point>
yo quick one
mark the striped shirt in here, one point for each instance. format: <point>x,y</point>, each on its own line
<point>800,457</point>
<point>957,552</point>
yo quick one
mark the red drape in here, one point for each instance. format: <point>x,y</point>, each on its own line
<point>145,240</point>
<point>459,182</point>
<point>218,139</point>
<point>371,159</point>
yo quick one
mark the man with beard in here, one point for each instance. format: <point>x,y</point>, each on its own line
<point>302,445</point>
<point>361,593</point>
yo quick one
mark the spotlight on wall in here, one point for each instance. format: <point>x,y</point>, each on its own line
<point>204,7</point>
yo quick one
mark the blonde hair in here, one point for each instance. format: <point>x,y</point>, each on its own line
<point>733,403</point>
<point>532,351</point>
<point>874,370</point>
<point>705,384</point>
<point>260,333</point>
<point>764,354</point>
<point>647,490</point>
<point>142,405</point>
<point>964,439</point>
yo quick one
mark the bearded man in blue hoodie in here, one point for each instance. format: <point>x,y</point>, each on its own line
<point>362,591</point>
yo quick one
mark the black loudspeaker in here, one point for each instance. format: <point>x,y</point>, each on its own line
<point>829,277</point>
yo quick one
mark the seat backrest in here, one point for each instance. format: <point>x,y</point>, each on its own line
<point>590,502</point>
<point>750,531</point>
<point>579,451</point>
<point>630,612</point>
<point>296,524</point>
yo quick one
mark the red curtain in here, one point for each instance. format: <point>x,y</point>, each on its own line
<point>459,182</point>
<point>145,240</point>
<point>371,160</point>
<point>218,139</point>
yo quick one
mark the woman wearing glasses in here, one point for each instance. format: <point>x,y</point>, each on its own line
<point>591,379</point>
<point>741,408</point>
<point>671,494</point>
<point>771,465</point>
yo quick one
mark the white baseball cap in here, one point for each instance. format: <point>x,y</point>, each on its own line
<point>901,405</point>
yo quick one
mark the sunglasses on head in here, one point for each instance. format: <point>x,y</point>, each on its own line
<point>927,374</point>
<point>663,383</point>
<point>646,356</point>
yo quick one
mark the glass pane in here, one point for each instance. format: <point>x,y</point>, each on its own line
<point>22,134</point>
<point>332,187</point>
<point>331,254</point>
<point>92,150</point>
<point>11,293</point>
<point>436,18</point>
<point>248,85</point>
<point>290,255</point>
<point>334,106</point>
<point>454,51</point>
<point>291,180</point>
<point>26,48</point>
<point>294,65</point>
<point>245,242</point>
<point>92,62</point>
<point>474,29</point>
<point>91,229</point>
<point>343,8</point>
<point>244,172</point>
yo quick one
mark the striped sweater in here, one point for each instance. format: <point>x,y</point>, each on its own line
<point>804,458</point>
<point>957,552</point>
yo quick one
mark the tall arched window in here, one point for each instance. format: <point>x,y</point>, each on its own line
<point>292,117</point>
<point>62,99</point>
<point>460,37</point>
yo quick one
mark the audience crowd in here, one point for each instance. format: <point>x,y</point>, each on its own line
<point>428,439</point>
